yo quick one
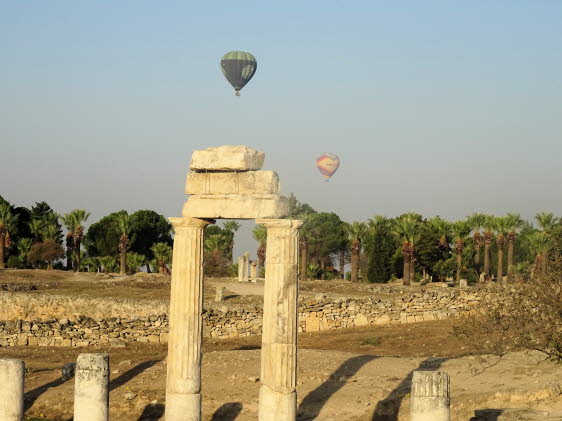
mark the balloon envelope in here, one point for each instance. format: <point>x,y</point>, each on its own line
<point>238,67</point>
<point>327,164</point>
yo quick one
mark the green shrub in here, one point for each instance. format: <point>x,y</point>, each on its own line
<point>372,341</point>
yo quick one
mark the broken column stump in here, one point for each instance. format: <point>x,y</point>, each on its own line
<point>430,399</point>
<point>11,389</point>
<point>91,393</point>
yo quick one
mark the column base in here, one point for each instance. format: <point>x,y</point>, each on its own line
<point>275,406</point>
<point>429,409</point>
<point>183,407</point>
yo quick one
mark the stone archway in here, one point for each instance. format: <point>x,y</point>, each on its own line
<point>227,183</point>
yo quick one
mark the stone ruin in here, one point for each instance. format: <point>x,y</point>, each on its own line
<point>225,182</point>
<point>228,183</point>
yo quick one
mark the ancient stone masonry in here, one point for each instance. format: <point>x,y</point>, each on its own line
<point>222,320</point>
<point>243,268</point>
<point>11,389</point>
<point>91,388</point>
<point>431,396</point>
<point>227,182</point>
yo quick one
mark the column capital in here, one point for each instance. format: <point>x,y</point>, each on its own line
<point>280,223</point>
<point>185,222</point>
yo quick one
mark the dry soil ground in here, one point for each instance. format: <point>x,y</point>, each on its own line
<point>340,375</point>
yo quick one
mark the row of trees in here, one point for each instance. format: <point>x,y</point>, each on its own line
<point>119,241</point>
<point>409,247</point>
<point>412,247</point>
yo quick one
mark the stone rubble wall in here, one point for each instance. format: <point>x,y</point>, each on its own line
<point>221,321</point>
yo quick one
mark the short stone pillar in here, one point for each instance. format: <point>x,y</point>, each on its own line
<point>91,393</point>
<point>183,382</point>
<point>11,389</point>
<point>254,271</point>
<point>278,399</point>
<point>243,267</point>
<point>219,295</point>
<point>430,397</point>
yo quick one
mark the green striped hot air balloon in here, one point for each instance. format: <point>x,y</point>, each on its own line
<point>238,67</point>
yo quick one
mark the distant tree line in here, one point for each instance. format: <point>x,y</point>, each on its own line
<point>408,247</point>
<point>34,238</point>
<point>411,247</point>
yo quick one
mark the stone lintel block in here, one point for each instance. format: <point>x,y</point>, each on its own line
<point>236,206</point>
<point>227,158</point>
<point>248,182</point>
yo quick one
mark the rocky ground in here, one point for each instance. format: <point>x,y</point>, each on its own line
<point>360,374</point>
<point>361,382</point>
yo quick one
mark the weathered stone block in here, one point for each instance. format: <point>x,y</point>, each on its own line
<point>361,320</point>
<point>227,158</point>
<point>236,206</point>
<point>430,396</point>
<point>249,182</point>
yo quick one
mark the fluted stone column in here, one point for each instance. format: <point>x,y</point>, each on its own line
<point>278,399</point>
<point>183,382</point>
<point>11,389</point>
<point>91,393</point>
<point>430,398</point>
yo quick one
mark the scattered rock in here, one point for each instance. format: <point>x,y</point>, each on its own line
<point>130,396</point>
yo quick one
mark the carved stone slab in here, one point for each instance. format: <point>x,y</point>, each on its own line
<point>248,182</point>
<point>227,158</point>
<point>236,206</point>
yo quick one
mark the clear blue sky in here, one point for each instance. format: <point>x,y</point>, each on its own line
<point>438,107</point>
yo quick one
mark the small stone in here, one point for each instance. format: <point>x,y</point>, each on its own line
<point>130,396</point>
<point>254,379</point>
<point>68,371</point>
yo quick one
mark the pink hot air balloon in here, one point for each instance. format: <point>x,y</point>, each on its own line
<point>327,164</point>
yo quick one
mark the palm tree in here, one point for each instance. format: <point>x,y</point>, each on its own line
<point>477,222</point>
<point>443,229</point>
<point>500,226</point>
<point>355,235</point>
<point>461,230</point>
<point>36,228</point>
<point>163,256</point>
<point>135,261</point>
<point>124,227</point>
<point>73,222</point>
<point>405,228</point>
<point>514,224</point>
<point>231,227</point>
<point>7,220</point>
<point>24,245</point>
<point>537,242</point>
<point>488,226</point>
<point>260,235</point>
<point>547,221</point>
<point>107,263</point>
